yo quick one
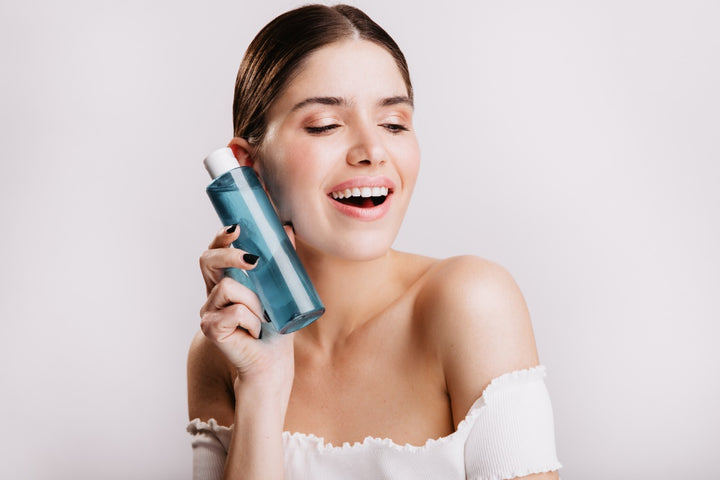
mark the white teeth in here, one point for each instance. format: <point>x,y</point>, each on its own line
<point>364,192</point>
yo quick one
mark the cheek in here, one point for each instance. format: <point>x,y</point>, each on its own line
<point>278,188</point>
<point>288,176</point>
<point>409,163</point>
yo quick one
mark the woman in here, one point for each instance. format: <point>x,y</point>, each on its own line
<point>407,374</point>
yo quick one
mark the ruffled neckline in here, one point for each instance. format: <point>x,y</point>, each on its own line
<point>507,380</point>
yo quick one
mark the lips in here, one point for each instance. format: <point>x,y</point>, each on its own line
<point>365,198</point>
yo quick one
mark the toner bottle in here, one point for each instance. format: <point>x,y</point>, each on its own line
<point>279,279</point>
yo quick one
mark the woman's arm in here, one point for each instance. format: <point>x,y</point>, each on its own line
<point>256,450</point>
<point>481,327</point>
<point>257,412</point>
<point>240,371</point>
<point>210,383</point>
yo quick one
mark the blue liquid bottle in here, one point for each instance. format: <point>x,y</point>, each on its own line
<point>279,279</point>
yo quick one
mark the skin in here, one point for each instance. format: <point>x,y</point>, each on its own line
<point>386,359</point>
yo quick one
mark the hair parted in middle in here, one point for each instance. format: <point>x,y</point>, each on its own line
<point>277,52</point>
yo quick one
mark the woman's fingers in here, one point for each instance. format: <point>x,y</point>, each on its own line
<point>230,292</point>
<point>225,237</point>
<point>231,305</point>
<point>290,232</point>
<point>215,261</point>
<point>220,256</point>
<point>221,326</point>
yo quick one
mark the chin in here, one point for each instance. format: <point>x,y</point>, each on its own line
<point>364,254</point>
<point>352,247</point>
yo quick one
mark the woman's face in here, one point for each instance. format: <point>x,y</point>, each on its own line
<point>340,157</point>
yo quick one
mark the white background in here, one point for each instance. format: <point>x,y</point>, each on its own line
<point>575,143</point>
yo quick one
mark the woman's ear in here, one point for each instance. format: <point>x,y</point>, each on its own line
<point>244,153</point>
<point>242,150</point>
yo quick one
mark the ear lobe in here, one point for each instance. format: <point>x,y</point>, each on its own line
<point>242,149</point>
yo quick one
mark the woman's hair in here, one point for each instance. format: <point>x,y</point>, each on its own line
<point>277,52</point>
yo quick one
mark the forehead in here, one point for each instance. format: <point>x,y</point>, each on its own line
<point>354,69</point>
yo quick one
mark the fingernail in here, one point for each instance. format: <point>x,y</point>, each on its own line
<point>231,228</point>
<point>290,225</point>
<point>249,258</point>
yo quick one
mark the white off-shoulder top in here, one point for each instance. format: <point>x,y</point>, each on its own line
<point>507,433</point>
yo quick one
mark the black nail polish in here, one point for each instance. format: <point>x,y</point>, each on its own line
<point>231,229</point>
<point>250,258</point>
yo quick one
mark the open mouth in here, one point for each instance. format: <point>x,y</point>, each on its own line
<point>362,197</point>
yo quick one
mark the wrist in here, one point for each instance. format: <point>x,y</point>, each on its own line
<point>268,393</point>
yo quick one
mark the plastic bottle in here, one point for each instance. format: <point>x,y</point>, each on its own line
<point>279,279</point>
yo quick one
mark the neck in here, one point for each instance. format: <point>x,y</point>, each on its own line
<point>352,291</point>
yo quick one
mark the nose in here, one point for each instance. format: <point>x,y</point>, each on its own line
<point>367,148</point>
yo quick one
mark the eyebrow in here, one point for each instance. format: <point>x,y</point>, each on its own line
<point>396,100</point>
<point>320,100</point>
<point>340,101</point>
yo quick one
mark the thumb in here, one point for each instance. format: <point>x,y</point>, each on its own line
<point>288,226</point>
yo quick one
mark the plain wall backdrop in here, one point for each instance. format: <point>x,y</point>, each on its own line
<point>575,143</point>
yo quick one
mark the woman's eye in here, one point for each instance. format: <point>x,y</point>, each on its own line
<point>394,127</point>
<point>322,129</point>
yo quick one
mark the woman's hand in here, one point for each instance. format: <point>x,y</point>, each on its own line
<point>232,318</point>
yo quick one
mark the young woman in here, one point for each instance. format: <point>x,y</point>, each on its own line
<point>420,367</point>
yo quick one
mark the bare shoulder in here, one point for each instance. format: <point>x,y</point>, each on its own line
<point>479,324</point>
<point>467,289</point>
<point>210,383</point>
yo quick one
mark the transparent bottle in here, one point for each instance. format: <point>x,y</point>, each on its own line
<point>279,279</point>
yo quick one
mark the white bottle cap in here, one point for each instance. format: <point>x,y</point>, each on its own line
<point>220,161</point>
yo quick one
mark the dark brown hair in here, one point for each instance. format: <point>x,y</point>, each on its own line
<point>278,50</point>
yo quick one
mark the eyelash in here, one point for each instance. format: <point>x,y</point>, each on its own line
<point>393,128</point>
<point>323,129</point>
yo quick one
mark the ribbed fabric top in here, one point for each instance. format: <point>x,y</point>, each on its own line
<point>507,433</point>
